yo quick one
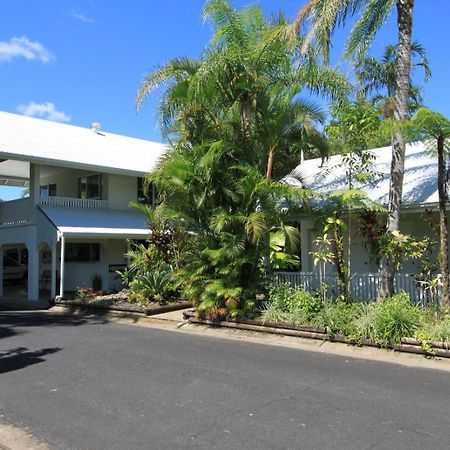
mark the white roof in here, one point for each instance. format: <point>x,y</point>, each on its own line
<point>79,222</point>
<point>42,141</point>
<point>419,184</point>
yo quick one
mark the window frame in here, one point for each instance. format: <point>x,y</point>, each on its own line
<point>72,252</point>
<point>84,193</point>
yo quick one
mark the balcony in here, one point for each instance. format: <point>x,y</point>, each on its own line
<point>23,212</point>
<point>67,202</point>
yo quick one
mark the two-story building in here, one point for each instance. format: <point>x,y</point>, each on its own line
<point>75,222</point>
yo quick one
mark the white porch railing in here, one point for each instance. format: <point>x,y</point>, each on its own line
<point>66,202</point>
<point>17,212</point>
<point>363,286</point>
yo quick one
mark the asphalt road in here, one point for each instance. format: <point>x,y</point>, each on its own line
<point>84,384</point>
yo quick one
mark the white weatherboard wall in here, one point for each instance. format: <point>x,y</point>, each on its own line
<point>361,262</point>
<point>67,182</point>
<point>112,251</point>
<point>122,190</point>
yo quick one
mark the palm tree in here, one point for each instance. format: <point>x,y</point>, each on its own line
<point>436,128</point>
<point>286,127</point>
<point>379,77</point>
<point>326,15</point>
<point>235,119</point>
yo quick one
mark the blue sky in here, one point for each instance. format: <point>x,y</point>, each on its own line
<point>82,61</point>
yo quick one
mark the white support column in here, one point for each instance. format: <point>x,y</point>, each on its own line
<point>1,271</point>
<point>33,267</point>
<point>61,281</point>
<point>53,276</point>
<point>35,183</point>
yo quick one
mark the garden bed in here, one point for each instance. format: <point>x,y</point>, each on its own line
<point>408,345</point>
<point>118,302</point>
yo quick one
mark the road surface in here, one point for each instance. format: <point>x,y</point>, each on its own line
<point>82,383</point>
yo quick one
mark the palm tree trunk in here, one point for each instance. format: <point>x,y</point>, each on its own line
<point>404,22</point>
<point>267,264</point>
<point>270,163</point>
<point>245,115</point>
<point>443,200</point>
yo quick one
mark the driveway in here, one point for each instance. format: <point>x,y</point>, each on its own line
<point>81,383</point>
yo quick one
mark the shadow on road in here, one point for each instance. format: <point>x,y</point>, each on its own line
<point>12,323</point>
<point>21,357</point>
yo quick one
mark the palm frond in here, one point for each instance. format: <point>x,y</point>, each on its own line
<point>374,16</point>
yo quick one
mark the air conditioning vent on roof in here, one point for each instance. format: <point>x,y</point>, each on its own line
<point>95,127</point>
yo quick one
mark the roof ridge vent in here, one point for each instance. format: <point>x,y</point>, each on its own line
<point>95,127</point>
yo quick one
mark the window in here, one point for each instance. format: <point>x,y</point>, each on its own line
<point>90,186</point>
<point>15,257</point>
<point>82,252</point>
<point>48,190</point>
<point>11,258</point>
<point>149,197</point>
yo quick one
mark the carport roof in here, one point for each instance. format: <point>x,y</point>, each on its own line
<point>98,223</point>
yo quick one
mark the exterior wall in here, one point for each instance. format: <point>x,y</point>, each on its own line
<point>361,262</point>
<point>121,191</point>
<point>67,182</point>
<point>79,273</point>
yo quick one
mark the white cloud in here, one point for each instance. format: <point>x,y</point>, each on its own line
<point>44,110</point>
<point>81,17</point>
<point>18,47</point>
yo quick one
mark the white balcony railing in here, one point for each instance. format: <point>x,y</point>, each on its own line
<point>17,212</point>
<point>66,202</point>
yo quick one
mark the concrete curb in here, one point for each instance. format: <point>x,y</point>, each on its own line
<point>148,312</point>
<point>162,320</point>
<point>15,438</point>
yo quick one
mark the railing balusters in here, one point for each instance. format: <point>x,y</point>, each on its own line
<point>67,202</point>
<point>363,286</point>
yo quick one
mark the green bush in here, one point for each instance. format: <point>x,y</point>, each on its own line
<point>156,285</point>
<point>365,323</point>
<point>389,321</point>
<point>309,303</point>
<point>396,318</point>
<point>434,332</point>
<point>290,305</point>
<point>384,323</point>
<point>338,318</point>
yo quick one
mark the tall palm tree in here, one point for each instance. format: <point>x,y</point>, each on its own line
<point>436,129</point>
<point>379,77</point>
<point>214,182</point>
<point>286,127</point>
<point>326,15</point>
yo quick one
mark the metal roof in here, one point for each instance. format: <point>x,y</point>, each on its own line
<point>45,142</point>
<point>419,184</point>
<point>88,222</point>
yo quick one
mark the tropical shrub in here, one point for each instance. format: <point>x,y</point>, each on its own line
<point>384,323</point>
<point>156,285</point>
<point>237,124</point>
<point>389,321</point>
<point>396,318</point>
<point>434,332</point>
<point>289,305</point>
<point>338,318</point>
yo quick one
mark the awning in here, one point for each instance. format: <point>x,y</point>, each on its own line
<point>98,223</point>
